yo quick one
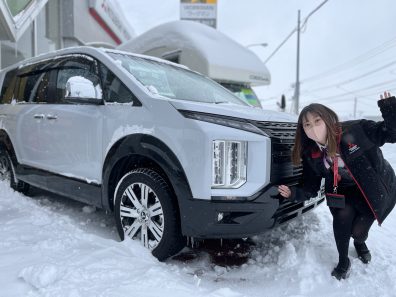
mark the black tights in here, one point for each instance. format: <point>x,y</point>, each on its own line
<point>353,221</point>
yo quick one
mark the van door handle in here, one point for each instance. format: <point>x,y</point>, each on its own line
<point>51,117</point>
<point>39,116</point>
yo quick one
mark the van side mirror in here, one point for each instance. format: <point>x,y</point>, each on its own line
<point>82,90</point>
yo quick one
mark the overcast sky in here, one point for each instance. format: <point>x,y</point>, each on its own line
<point>356,37</point>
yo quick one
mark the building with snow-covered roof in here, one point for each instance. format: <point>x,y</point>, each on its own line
<point>207,51</point>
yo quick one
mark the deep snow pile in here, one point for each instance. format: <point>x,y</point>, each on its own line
<point>51,246</point>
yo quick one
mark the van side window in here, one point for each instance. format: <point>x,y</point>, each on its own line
<point>42,89</point>
<point>27,87</point>
<point>115,90</point>
<point>34,88</point>
<point>7,90</point>
<point>72,69</point>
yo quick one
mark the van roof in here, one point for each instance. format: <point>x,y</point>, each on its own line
<point>79,50</point>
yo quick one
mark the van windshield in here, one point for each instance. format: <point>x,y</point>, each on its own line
<point>175,82</point>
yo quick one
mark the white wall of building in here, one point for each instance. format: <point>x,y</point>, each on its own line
<point>62,23</point>
<point>83,27</point>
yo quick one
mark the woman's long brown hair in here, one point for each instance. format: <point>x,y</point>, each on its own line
<point>302,141</point>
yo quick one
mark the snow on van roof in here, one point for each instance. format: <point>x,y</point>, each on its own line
<point>80,51</point>
<point>123,52</point>
<point>203,49</point>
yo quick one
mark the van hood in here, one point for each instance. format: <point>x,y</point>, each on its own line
<point>236,111</point>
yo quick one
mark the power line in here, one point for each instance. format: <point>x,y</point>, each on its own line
<point>343,96</point>
<point>382,84</point>
<point>383,47</point>
<point>311,13</point>
<point>280,45</point>
<point>355,61</point>
<point>344,99</point>
<point>356,77</point>
<point>293,31</point>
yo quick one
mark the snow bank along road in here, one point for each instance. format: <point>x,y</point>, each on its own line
<point>51,246</point>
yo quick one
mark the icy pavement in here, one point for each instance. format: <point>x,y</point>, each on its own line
<point>51,246</point>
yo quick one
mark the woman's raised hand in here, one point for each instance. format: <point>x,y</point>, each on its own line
<point>385,95</point>
<point>284,191</point>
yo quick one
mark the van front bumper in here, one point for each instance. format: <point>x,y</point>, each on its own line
<point>238,219</point>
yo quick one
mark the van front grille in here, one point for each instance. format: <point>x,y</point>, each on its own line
<point>282,139</point>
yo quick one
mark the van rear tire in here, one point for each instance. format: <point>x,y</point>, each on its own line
<point>7,172</point>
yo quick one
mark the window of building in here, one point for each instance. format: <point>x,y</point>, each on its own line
<point>17,6</point>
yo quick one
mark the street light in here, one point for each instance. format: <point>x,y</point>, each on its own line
<point>264,44</point>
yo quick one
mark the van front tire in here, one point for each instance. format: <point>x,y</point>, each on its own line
<point>145,209</point>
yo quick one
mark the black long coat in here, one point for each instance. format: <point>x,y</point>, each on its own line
<point>360,150</point>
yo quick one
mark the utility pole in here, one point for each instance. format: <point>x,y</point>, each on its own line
<point>297,86</point>
<point>355,108</point>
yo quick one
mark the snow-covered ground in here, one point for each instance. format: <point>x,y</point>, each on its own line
<point>51,246</point>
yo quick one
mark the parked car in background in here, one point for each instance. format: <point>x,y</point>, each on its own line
<point>172,153</point>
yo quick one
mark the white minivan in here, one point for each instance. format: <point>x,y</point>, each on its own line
<point>172,153</point>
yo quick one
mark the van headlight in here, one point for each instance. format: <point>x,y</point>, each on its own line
<point>229,164</point>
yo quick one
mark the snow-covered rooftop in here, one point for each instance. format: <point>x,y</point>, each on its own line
<point>203,49</point>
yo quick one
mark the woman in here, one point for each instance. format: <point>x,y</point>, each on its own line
<point>360,185</point>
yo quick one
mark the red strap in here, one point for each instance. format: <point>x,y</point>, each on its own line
<point>335,171</point>
<point>335,163</point>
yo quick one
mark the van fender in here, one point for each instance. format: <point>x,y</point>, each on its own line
<point>150,148</point>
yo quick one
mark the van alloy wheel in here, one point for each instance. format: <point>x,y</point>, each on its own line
<point>146,209</point>
<point>141,215</point>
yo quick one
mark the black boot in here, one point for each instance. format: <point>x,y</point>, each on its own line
<point>363,252</point>
<point>342,270</point>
